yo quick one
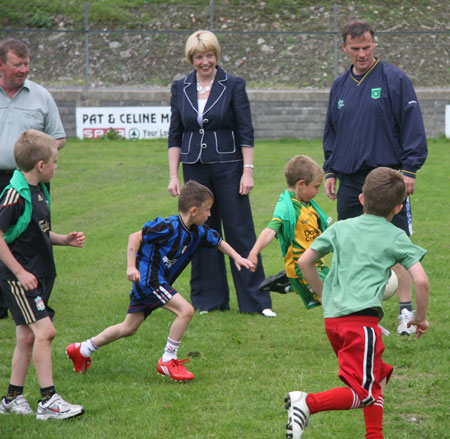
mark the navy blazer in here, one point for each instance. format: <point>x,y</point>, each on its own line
<point>227,121</point>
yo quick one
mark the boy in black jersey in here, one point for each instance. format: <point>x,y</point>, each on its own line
<point>27,273</point>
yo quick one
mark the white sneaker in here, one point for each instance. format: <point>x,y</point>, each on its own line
<point>403,318</point>
<point>298,414</point>
<point>57,408</point>
<point>268,313</point>
<point>18,405</point>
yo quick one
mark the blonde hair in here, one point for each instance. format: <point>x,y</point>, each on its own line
<point>383,190</point>
<point>201,41</point>
<point>33,146</point>
<point>302,167</point>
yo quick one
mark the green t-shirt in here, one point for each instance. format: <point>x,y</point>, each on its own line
<point>364,250</point>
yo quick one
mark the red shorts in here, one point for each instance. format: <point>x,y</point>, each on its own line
<point>357,343</point>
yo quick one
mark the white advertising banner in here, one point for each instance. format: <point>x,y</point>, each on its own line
<point>447,121</point>
<point>128,122</point>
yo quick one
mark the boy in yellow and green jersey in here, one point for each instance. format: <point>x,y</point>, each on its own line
<point>297,221</point>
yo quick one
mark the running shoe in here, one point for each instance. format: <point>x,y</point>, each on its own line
<point>298,414</point>
<point>278,283</point>
<point>80,362</point>
<point>403,318</point>
<point>57,408</point>
<point>174,369</point>
<point>18,406</point>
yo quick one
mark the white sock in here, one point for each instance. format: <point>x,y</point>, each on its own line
<point>171,350</point>
<point>88,347</point>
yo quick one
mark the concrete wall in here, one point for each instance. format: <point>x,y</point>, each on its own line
<point>276,113</point>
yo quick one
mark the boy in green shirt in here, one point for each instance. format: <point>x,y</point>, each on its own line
<point>297,221</point>
<point>364,250</point>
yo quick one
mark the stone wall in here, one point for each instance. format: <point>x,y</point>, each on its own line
<point>276,113</point>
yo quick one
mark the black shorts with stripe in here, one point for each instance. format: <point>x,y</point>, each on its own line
<point>27,307</point>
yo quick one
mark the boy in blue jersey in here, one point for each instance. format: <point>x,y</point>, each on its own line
<point>364,250</point>
<point>156,256</point>
<point>27,274</point>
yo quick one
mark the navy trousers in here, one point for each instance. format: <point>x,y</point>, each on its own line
<point>209,286</point>
<point>348,205</point>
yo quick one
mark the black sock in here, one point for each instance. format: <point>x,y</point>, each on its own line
<point>407,305</point>
<point>13,392</point>
<point>47,393</point>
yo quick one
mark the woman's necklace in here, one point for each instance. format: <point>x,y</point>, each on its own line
<point>202,90</point>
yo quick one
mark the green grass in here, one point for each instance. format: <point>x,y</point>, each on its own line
<point>244,364</point>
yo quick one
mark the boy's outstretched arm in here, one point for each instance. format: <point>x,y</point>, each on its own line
<point>264,239</point>
<point>73,239</point>
<point>239,261</point>
<point>307,264</point>
<point>134,240</point>
<point>422,288</point>
<point>26,279</point>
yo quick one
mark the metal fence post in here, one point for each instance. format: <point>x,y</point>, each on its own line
<point>86,45</point>
<point>211,14</point>
<point>335,41</point>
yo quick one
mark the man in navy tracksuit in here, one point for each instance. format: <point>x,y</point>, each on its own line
<point>373,120</point>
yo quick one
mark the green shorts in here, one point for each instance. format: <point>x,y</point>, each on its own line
<point>301,287</point>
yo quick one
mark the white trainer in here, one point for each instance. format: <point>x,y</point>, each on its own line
<point>268,313</point>
<point>403,318</point>
<point>57,408</point>
<point>298,414</point>
<point>18,406</point>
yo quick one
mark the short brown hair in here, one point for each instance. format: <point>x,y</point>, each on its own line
<point>383,189</point>
<point>193,194</point>
<point>201,41</point>
<point>356,29</point>
<point>302,167</point>
<point>16,46</point>
<point>33,146</point>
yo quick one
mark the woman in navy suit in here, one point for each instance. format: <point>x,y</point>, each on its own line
<point>211,134</point>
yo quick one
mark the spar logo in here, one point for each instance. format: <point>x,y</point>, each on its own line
<point>95,133</point>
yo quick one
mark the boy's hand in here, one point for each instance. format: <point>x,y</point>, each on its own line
<point>27,280</point>
<point>133,274</point>
<point>254,260</point>
<point>75,239</point>
<point>422,326</point>
<point>240,261</point>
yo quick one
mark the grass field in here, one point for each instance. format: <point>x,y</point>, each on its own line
<point>244,364</point>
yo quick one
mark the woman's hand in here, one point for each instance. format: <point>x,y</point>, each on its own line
<point>174,186</point>
<point>246,184</point>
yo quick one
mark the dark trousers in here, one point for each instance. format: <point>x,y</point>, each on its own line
<point>348,205</point>
<point>209,287</point>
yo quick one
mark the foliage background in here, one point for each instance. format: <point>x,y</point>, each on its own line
<point>272,43</point>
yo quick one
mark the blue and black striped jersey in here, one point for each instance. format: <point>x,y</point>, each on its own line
<point>168,246</point>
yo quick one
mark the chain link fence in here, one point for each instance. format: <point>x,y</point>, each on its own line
<point>93,58</point>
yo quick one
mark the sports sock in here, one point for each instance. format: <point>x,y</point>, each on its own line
<point>407,305</point>
<point>373,417</point>
<point>340,398</point>
<point>13,392</point>
<point>47,393</point>
<point>88,347</point>
<point>171,350</point>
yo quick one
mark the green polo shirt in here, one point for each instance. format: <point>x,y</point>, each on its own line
<point>32,107</point>
<point>364,250</point>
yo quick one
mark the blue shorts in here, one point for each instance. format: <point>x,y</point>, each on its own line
<point>145,298</point>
